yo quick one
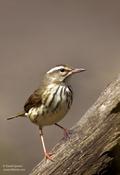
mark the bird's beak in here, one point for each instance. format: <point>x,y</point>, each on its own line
<point>77,70</point>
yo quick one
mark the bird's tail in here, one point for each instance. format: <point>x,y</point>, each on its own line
<point>18,115</point>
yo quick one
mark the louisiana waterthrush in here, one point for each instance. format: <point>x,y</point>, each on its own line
<point>49,104</point>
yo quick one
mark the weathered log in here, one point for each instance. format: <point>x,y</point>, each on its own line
<point>94,146</point>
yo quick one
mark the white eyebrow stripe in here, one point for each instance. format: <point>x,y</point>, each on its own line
<point>55,68</point>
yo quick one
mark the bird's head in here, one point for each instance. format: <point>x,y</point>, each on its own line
<point>61,73</point>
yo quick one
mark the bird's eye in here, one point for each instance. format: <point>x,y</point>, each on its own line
<point>62,70</point>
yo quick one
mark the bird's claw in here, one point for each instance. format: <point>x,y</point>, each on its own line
<point>67,133</point>
<point>48,156</point>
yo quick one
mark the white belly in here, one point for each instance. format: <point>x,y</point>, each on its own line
<point>52,117</point>
<point>45,115</point>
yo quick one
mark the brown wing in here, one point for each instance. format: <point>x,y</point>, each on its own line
<point>33,100</point>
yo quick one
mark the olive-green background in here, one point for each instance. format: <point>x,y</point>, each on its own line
<point>37,35</point>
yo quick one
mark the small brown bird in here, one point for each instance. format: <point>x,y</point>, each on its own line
<point>49,104</point>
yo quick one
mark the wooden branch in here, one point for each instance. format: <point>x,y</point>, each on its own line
<point>94,146</point>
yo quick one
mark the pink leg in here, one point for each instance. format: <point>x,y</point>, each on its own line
<point>66,131</point>
<point>47,155</point>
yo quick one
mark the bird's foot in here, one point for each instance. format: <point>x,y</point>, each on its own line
<point>48,156</point>
<point>67,133</point>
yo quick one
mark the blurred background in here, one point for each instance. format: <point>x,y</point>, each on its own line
<point>37,35</point>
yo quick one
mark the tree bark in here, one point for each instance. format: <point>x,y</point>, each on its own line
<point>94,146</point>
